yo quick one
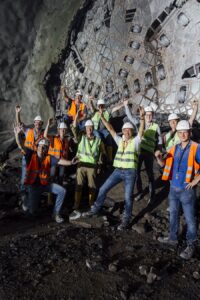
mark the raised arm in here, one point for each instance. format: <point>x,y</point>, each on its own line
<point>131,118</point>
<point>107,124</point>
<point>17,114</point>
<point>17,131</point>
<point>91,104</point>
<point>117,107</point>
<point>64,94</point>
<point>142,122</point>
<point>194,112</point>
<point>49,122</point>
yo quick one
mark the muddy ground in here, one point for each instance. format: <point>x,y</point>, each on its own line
<point>90,259</point>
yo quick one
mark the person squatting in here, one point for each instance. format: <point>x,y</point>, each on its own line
<point>86,131</point>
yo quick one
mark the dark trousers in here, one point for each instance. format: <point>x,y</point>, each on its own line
<point>148,159</point>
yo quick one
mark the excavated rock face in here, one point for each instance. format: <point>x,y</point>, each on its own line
<point>32,35</point>
<point>146,50</point>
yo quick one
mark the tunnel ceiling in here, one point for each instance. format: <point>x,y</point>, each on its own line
<point>145,50</point>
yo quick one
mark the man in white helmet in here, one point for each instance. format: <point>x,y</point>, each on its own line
<point>73,106</point>
<point>99,128</point>
<point>32,136</point>
<point>151,141</point>
<point>171,138</point>
<point>181,168</point>
<point>59,147</point>
<point>89,153</point>
<point>125,163</point>
<point>37,177</point>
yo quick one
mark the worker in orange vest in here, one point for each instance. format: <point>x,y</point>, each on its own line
<point>32,136</point>
<point>59,147</point>
<point>181,167</point>
<point>37,178</point>
<point>73,106</point>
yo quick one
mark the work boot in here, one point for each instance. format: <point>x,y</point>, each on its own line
<point>188,252</point>
<point>74,215</point>
<point>58,218</point>
<point>167,241</point>
<point>123,225</point>
<point>92,212</point>
<point>77,200</point>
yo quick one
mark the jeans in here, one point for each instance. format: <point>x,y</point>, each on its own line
<point>35,191</point>
<point>57,172</point>
<point>186,198</point>
<point>128,176</point>
<point>23,174</point>
<point>148,159</point>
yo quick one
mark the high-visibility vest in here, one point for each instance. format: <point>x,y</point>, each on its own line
<point>73,109</point>
<point>192,167</point>
<point>34,170</point>
<point>89,153</point>
<point>96,118</point>
<point>149,139</point>
<point>126,158</point>
<point>171,141</point>
<point>59,148</point>
<point>30,141</point>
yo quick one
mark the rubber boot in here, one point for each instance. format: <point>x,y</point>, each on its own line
<point>77,200</point>
<point>91,198</point>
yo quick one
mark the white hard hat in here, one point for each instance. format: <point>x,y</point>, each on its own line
<point>148,109</point>
<point>89,123</point>
<point>127,125</point>
<point>62,125</point>
<point>38,118</point>
<point>173,116</point>
<point>100,102</point>
<point>183,125</point>
<point>43,142</point>
<point>78,93</point>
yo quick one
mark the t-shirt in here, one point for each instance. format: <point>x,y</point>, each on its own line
<point>180,165</point>
<point>137,141</point>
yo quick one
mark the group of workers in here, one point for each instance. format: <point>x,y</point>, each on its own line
<point>46,156</point>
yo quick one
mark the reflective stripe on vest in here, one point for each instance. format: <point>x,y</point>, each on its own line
<point>30,141</point>
<point>73,109</point>
<point>192,167</point>
<point>89,153</point>
<point>171,141</point>
<point>33,170</point>
<point>126,158</point>
<point>58,148</point>
<point>149,139</point>
<point>96,118</point>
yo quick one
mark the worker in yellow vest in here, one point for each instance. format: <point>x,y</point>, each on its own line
<point>151,141</point>
<point>99,128</point>
<point>181,168</point>
<point>126,164</point>
<point>171,138</point>
<point>90,147</point>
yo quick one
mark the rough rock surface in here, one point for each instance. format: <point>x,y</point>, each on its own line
<point>32,36</point>
<point>43,260</point>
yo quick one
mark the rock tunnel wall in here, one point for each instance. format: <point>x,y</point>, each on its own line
<point>32,36</point>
